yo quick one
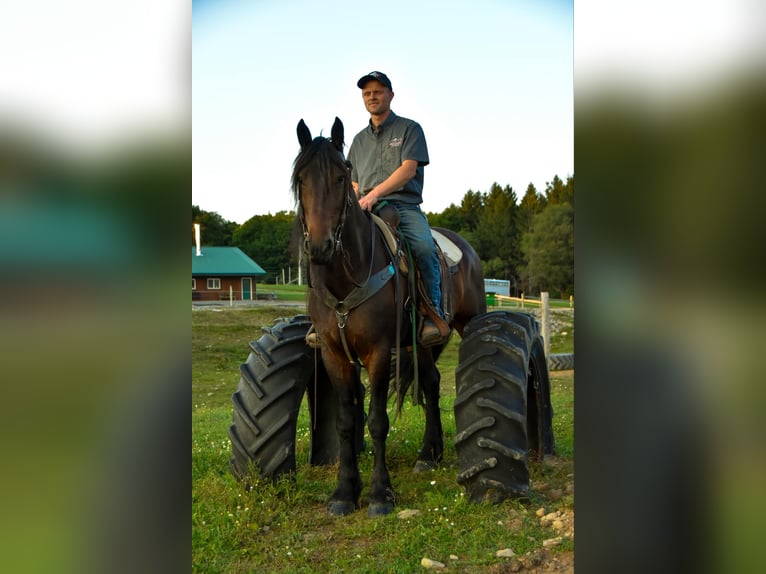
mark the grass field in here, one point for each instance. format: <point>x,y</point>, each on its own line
<point>284,527</point>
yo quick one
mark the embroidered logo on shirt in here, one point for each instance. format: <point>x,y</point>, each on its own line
<point>395,142</point>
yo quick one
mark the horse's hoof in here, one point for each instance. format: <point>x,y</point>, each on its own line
<point>424,466</point>
<point>340,507</point>
<point>380,508</point>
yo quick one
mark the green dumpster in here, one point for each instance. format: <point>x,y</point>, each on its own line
<point>490,298</point>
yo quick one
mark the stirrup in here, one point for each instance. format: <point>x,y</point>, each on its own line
<point>312,338</point>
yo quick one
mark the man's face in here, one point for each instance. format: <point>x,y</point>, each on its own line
<point>377,97</point>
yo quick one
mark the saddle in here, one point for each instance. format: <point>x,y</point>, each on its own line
<point>387,220</point>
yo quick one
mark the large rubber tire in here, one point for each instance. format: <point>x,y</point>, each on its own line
<point>561,361</point>
<point>279,371</point>
<point>539,408</point>
<point>268,398</point>
<point>501,375</point>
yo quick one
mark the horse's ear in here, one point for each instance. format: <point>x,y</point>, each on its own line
<point>304,135</point>
<point>337,134</point>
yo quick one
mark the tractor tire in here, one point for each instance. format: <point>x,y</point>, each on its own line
<point>279,371</point>
<point>268,398</point>
<point>502,408</point>
<point>561,361</point>
<point>539,408</point>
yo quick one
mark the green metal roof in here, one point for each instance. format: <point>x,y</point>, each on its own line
<point>223,261</point>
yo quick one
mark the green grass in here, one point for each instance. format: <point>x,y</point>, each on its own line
<point>285,292</point>
<point>284,527</point>
<point>562,339</point>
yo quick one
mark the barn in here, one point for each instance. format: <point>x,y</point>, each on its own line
<point>219,273</point>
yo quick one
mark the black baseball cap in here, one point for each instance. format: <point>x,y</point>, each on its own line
<point>379,76</point>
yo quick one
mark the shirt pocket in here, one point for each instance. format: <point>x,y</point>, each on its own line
<point>392,154</point>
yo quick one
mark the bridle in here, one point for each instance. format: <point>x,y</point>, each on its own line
<point>338,233</point>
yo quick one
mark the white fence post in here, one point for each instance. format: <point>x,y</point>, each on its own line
<point>545,319</point>
<point>231,296</point>
<point>300,266</point>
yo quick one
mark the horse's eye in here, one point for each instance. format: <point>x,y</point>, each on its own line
<point>341,179</point>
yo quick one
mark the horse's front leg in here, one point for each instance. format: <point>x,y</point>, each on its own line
<point>381,491</point>
<point>432,451</point>
<point>345,499</point>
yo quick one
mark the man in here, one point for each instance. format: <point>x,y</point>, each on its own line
<point>387,160</point>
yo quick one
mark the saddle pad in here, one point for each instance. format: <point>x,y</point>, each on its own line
<point>451,251</point>
<point>388,235</point>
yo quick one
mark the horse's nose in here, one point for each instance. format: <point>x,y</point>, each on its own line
<point>321,252</point>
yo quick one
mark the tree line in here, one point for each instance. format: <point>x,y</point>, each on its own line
<point>528,242</point>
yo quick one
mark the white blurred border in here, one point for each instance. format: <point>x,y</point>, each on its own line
<point>663,45</point>
<point>88,71</point>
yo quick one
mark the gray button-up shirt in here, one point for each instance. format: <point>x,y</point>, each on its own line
<point>376,153</point>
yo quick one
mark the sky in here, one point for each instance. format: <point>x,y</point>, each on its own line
<point>490,82</point>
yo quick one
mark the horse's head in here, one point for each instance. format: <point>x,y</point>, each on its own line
<point>321,184</point>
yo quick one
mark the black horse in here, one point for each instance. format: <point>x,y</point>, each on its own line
<point>355,298</point>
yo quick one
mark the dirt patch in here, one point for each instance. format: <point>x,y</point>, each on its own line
<point>544,559</point>
<point>539,562</point>
<point>560,520</point>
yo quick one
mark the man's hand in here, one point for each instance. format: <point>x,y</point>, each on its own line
<point>368,201</point>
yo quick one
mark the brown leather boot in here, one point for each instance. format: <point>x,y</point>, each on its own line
<point>432,333</point>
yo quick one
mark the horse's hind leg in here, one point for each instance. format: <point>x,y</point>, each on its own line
<point>346,496</point>
<point>433,437</point>
<point>381,491</point>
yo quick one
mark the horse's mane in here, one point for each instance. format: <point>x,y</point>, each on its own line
<point>324,151</point>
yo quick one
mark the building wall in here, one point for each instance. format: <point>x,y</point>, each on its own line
<point>201,292</point>
<point>497,286</point>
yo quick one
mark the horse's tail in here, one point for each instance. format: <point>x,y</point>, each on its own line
<point>401,387</point>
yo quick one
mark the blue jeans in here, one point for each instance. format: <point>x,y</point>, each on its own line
<point>415,228</point>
